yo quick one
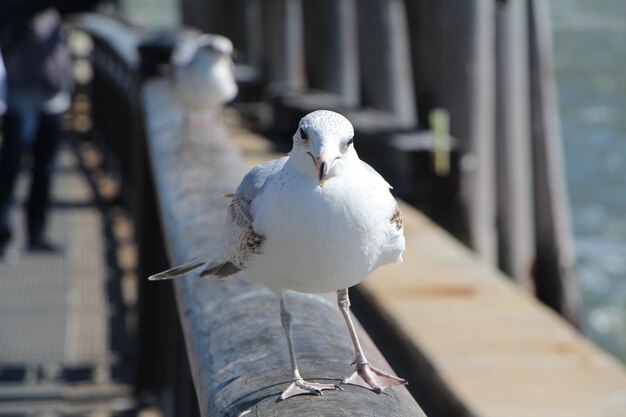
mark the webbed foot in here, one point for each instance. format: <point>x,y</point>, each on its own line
<point>302,387</point>
<point>367,376</point>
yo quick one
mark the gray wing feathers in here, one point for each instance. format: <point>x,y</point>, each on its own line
<point>375,173</point>
<point>242,239</point>
<point>255,179</point>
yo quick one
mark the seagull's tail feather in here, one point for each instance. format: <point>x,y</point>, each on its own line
<point>178,271</point>
<point>212,262</point>
<point>219,270</point>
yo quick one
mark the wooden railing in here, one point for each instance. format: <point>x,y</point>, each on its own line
<point>210,348</point>
<point>385,64</point>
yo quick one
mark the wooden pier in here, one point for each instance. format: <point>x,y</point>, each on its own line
<point>471,341</point>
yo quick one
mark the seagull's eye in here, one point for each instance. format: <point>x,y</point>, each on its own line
<point>303,135</point>
<point>350,142</point>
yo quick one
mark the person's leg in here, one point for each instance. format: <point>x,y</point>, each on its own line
<point>44,152</point>
<point>14,131</point>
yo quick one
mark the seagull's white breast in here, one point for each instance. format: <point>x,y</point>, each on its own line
<point>321,239</point>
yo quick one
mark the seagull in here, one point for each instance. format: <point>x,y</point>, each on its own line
<point>202,72</point>
<point>324,207</point>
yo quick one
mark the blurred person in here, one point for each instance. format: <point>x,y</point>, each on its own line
<point>39,85</point>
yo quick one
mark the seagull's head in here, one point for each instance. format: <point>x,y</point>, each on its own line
<point>322,140</point>
<point>203,70</point>
<point>206,47</point>
<point>216,47</point>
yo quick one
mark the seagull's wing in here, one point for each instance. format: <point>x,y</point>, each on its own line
<point>184,52</point>
<point>242,240</point>
<point>396,218</point>
<point>254,181</point>
<point>375,174</point>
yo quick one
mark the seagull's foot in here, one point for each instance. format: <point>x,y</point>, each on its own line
<point>367,376</point>
<point>301,387</point>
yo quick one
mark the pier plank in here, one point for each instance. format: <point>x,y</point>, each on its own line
<point>499,351</point>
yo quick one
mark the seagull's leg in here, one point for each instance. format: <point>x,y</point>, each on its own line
<point>298,385</point>
<point>365,375</point>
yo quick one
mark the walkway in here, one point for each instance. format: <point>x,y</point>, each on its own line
<point>62,333</point>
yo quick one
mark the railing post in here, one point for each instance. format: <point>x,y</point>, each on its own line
<point>385,62</point>
<point>453,45</point>
<point>283,38</point>
<point>513,146</point>
<point>554,266</point>
<point>332,48</point>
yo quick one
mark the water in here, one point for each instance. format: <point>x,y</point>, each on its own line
<point>590,55</point>
<point>152,14</point>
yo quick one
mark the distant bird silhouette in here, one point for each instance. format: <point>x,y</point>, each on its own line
<point>202,73</point>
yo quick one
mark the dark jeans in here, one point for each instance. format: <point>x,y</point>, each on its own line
<point>41,133</point>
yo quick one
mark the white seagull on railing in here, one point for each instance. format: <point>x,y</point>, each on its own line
<point>202,73</point>
<point>316,221</point>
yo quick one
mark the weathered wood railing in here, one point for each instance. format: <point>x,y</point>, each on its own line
<point>210,348</point>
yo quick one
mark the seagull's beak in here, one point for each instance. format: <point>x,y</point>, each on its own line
<point>322,169</point>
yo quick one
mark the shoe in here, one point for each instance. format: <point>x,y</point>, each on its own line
<point>43,246</point>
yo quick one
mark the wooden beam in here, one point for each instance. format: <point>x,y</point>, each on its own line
<point>554,267</point>
<point>331,44</point>
<point>514,175</point>
<point>454,60</point>
<point>385,59</point>
<point>283,43</point>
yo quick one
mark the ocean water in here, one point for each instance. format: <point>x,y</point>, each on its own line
<point>590,58</point>
<point>152,14</point>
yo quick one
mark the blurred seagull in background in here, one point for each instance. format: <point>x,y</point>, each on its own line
<point>202,73</point>
<point>316,221</point>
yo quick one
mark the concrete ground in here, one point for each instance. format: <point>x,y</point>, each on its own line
<point>63,348</point>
